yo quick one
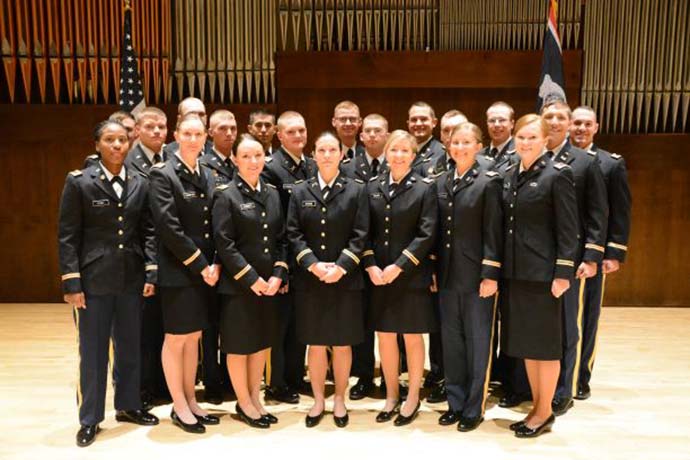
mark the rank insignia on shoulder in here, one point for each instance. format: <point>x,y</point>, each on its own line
<point>510,152</point>
<point>491,173</point>
<point>268,159</point>
<point>271,185</point>
<point>428,180</point>
<point>93,156</point>
<point>299,181</point>
<point>591,152</point>
<point>560,166</point>
<point>359,181</point>
<point>76,173</point>
<point>615,156</point>
<point>346,161</point>
<point>159,165</point>
<point>426,160</point>
<point>222,187</point>
<point>510,167</point>
<point>373,178</point>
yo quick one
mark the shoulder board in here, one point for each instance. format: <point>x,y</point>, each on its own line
<point>510,167</point>
<point>222,187</point>
<point>510,152</point>
<point>592,152</point>
<point>93,156</point>
<point>359,181</point>
<point>346,160</point>
<point>299,181</point>
<point>428,180</point>
<point>373,178</point>
<point>76,173</point>
<point>270,185</point>
<point>560,166</point>
<point>426,159</point>
<point>268,159</point>
<point>615,156</point>
<point>159,165</point>
<point>491,173</point>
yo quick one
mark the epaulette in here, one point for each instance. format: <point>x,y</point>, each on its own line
<point>159,165</point>
<point>426,159</point>
<point>93,156</point>
<point>428,180</point>
<point>592,152</point>
<point>373,178</point>
<point>359,181</point>
<point>491,173</point>
<point>560,166</point>
<point>222,187</point>
<point>299,181</point>
<point>510,152</point>
<point>268,159</point>
<point>346,160</point>
<point>615,156</point>
<point>76,173</point>
<point>510,167</point>
<point>270,185</point>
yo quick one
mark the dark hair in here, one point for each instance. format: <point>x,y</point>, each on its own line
<point>260,113</point>
<point>100,128</point>
<point>121,115</point>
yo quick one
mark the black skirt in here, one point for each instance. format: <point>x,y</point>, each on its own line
<point>248,323</point>
<point>329,316</point>
<point>400,310</point>
<point>185,309</point>
<point>530,321</point>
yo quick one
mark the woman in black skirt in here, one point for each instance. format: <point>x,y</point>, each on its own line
<point>328,221</point>
<point>540,246</point>
<point>181,195</point>
<point>249,231</point>
<point>403,212</point>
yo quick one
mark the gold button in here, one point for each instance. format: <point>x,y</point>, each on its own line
<point>511,217</point>
<point>263,214</point>
<point>448,245</point>
<point>323,221</point>
<point>450,218</point>
<point>205,222</point>
<point>448,232</point>
<point>323,247</point>
<point>206,235</point>
<point>386,230</point>
<point>120,246</point>
<point>119,218</point>
<point>450,205</point>
<point>265,238</point>
<point>120,232</point>
<point>265,225</point>
<point>205,208</point>
<point>387,219</point>
<point>385,243</point>
<point>266,250</point>
<point>119,205</point>
<point>203,196</point>
<point>388,206</point>
<point>511,205</point>
<point>323,209</point>
<point>323,234</point>
<point>510,231</point>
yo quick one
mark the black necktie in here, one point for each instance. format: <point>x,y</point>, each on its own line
<point>456,184</point>
<point>350,153</point>
<point>228,163</point>
<point>325,191</point>
<point>494,152</point>
<point>393,187</point>
<point>374,166</point>
<point>118,180</point>
<point>549,153</point>
<point>451,164</point>
<point>157,158</point>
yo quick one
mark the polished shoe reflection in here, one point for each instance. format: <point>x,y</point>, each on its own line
<point>387,416</point>
<point>583,392</point>
<point>270,418</point>
<point>207,419</point>
<point>311,422</point>
<point>469,423</point>
<point>512,400</point>
<point>341,422</point>
<point>526,432</point>
<point>195,428</point>
<point>449,417</point>
<point>561,405</point>
<point>281,394</point>
<point>87,435</point>
<point>253,422</point>
<point>437,395</point>
<point>139,416</point>
<point>362,389</point>
<point>402,420</point>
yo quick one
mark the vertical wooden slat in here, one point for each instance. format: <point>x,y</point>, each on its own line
<point>24,45</point>
<point>39,41</point>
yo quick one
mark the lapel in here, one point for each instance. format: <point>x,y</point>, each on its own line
<point>449,183</point>
<point>290,166</point>
<point>405,184</point>
<point>103,183</point>
<point>140,161</point>
<point>249,193</point>
<point>338,186</point>
<point>469,177</point>
<point>533,171</point>
<point>186,175</point>
<point>131,186</point>
<point>315,189</point>
<point>214,161</point>
<point>362,167</point>
<point>564,156</point>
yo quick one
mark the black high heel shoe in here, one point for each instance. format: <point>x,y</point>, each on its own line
<point>526,432</point>
<point>402,420</point>
<point>253,422</point>
<point>196,428</point>
<point>270,418</point>
<point>341,422</point>
<point>515,426</point>
<point>208,419</point>
<point>387,416</point>
<point>311,422</point>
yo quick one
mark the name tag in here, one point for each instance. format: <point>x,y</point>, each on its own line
<point>288,186</point>
<point>532,184</point>
<point>247,206</point>
<point>100,203</point>
<point>443,195</point>
<point>376,195</point>
<point>188,195</point>
<point>309,204</point>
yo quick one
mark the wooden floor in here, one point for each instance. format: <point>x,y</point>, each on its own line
<point>640,406</point>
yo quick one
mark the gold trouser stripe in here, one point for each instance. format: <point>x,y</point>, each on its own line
<point>268,367</point>
<point>281,264</point>
<point>368,252</point>
<point>568,263</point>
<point>351,255</point>
<point>590,363</point>
<point>111,355</point>
<point>487,377</point>
<point>411,256</point>
<point>70,276</point>
<point>491,263</point>
<point>151,267</point>
<point>192,257</point>
<point>578,355</point>
<point>596,247</point>
<point>622,247</point>
<point>80,398</point>
<point>242,272</point>
<point>302,253</point>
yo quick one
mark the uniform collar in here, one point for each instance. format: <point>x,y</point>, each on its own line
<point>323,183</point>
<point>297,160</point>
<point>196,169</point>
<point>499,148</point>
<point>149,153</point>
<point>109,175</point>
<point>244,181</point>
<point>220,155</point>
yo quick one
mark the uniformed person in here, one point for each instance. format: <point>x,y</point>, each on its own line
<point>262,126</point>
<point>347,121</point>
<point>127,120</point>
<point>287,167</point>
<point>421,121</point>
<point>187,107</point>
<point>540,247</point>
<point>403,213</point>
<point>612,165</point>
<point>181,198</point>
<point>592,213</point>
<point>151,130</point>
<point>449,121</point>
<point>249,229</point>
<point>500,120</point>
<point>108,260</point>
<point>374,135</point>
<point>469,251</point>
<point>328,225</point>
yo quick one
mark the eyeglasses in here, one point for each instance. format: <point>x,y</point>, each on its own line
<point>352,120</point>
<point>497,121</point>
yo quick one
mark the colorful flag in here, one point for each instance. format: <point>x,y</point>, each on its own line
<point>551,81</point>
<point>131,93</point>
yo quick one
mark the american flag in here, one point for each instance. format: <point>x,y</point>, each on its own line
<point>551,81</point>
<point>131,93</point>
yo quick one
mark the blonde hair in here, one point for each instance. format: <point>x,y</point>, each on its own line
<point>375,117</point>
<point>528,120</point>
<point>401,135</point>
<point>471,127</point>
<point>288,115</point>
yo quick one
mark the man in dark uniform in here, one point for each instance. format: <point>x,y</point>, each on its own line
<point>500,119</point>
<point>582,132</point>
<point>449,121</point>
<point>346,122</point>
<point>366,166</point>
<point>593,211</point>
<point>151,130</point>
<point>189,106</point>
<point>421,121</point>
<point>287,166</point>
<point>262,126</point>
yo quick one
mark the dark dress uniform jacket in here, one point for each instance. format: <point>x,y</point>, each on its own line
<point>181,204</point>
<point>446,163</point>
<point>107,244</point>
<point>427,156</point>
<point>592,203</point>
<point>470,246</point>
<point>503,158</point>
<point>620,202</point>
<point>281,171</point>
<point>334,229</point>
<point>540,215</point>
<point>249,230</point>
<point>221,171</point>
<point>359,168</point>
<point>403,228</point>
<point>137,160</point>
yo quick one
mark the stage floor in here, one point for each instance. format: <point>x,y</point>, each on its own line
<point>640,406</point>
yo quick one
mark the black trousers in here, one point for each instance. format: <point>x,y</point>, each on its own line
<point>436,372</point>
<point>363,357</point>
<point>573,305</point>
<point>105,317</point>
<point>593,299</point>
<point>466,329</point>
<point>152,377</point>
<point>286,363</point>
<point>214,367</point>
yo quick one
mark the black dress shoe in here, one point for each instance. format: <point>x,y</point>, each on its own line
<point>139,416</point>
<point>387,416</point>
<point>402,420</point>
<point>560,406</point>
<point>214,397</point>
<point>147,401</point>
<point>526,432</point>
<point>515,426</point>
<point>253,422</point>
<point>311,422</point>
<point>207,419</point>
<point>469,423</point>
<point>437,395</point>
<point>432,380</point>
<point>361,390</point>
<point>449,417</point>
<point>195,428</point>
<point>281,394</point>
<point>87,435</point>
<point>341,422</point>
<point>270,418</point>
<point>512,400</point>
<point>583,392</point>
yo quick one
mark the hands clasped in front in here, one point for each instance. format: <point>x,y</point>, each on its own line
<point>327,272</point>
<point>386,276</point>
